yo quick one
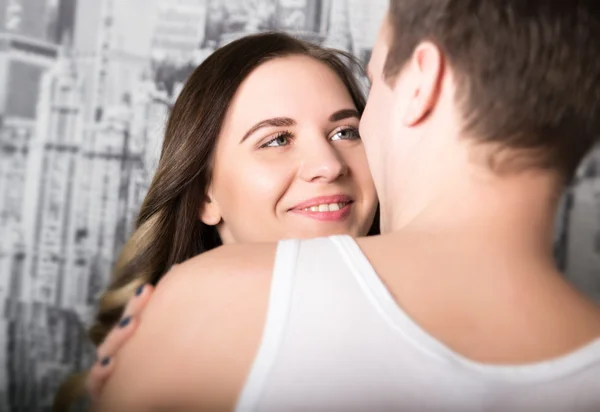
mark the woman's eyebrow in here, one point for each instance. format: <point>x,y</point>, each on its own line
<point>273,122</point>
<point>344,114</point>
<point>286,121</point>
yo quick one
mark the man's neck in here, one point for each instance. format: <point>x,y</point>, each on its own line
<point>513,213</point>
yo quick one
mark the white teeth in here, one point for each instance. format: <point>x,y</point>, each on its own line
<point>331,207</point>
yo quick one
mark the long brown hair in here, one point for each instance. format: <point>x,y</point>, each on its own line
<point>168,230</point>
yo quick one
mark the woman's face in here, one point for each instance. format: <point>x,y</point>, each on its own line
<point>289,161</point>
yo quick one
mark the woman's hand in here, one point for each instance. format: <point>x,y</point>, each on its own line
<point>121,333</point>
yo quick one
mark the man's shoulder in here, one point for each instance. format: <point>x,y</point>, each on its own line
<point>220,267</point>
<point>228,279</point>
<point>200,330</point>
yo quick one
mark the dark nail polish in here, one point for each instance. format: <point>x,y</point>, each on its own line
<point>124,322</point>
<point>139,290</point>
<point>105,361</point>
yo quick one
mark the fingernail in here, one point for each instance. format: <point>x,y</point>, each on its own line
<point>139,290</point>
<point>124,322</point>
<point>105,361</point>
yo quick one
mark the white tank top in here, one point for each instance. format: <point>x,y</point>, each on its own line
<point>335,340</point>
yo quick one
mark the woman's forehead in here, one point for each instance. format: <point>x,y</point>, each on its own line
<point>288,85</point>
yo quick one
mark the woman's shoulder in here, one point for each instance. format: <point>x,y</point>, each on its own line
<point>199,333</point>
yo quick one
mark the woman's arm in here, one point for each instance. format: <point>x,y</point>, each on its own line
<point>198,336</point>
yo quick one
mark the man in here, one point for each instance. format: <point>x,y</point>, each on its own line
<point>479,112</point>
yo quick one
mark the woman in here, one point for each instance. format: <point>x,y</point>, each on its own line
<point>262,144</point>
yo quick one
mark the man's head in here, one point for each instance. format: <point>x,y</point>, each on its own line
<point>518,79</point>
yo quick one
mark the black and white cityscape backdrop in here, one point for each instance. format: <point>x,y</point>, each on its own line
<point>85,88</point>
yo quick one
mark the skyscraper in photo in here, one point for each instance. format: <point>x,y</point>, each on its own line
<point>179,30</point>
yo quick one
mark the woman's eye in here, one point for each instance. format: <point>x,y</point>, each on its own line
<point>281,140</point>
<point>346,134</point>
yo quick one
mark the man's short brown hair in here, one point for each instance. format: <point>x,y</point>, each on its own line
<point>528,71</point>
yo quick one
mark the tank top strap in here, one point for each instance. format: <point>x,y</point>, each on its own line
<point>282,283</point>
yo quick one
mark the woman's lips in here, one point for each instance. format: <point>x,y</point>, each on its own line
<point>326,211</point>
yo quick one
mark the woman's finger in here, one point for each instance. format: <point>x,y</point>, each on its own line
<point>126,326</point>
<point>97,377</point>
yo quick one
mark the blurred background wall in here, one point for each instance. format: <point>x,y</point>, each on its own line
<point>85,88</point>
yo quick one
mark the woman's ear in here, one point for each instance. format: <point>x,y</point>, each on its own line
<point>210,213</point>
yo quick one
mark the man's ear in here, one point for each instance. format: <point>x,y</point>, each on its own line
<point>424,72</point>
